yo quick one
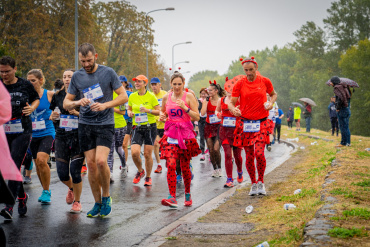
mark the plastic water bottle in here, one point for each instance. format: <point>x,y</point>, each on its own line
<point>297,191</point>
<point>249,209</point>
<point>264,244</point>
<point>289,206</point>
<point>57,111</point>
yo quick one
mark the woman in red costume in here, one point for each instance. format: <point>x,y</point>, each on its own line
<point>227,128</point>
<point>212,126</point>
<point>253,128</point>
<point>178,144</point>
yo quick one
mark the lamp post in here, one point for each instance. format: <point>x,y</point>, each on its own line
<point>76,35</point>
<point>146,35</point>
<point>180,62</point>
<point>173,55</point>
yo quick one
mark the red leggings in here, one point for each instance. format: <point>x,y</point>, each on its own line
<point>229,162</point>
<point>171,174</point>
<point>257,150</point>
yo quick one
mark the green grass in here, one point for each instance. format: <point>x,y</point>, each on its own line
<point>359,212</point>
<point>294,198</point>
<point>363,154</point>
<point>361,174</point>
<point>171,238</point>
<point>338,232</point>
<point>293,235</point>
<point>364,183</point>
<point>340,191</point>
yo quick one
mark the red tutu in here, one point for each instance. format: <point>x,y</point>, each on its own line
<point>174,151</point>
<point>211,130</point>
<point>227,135</point>
<point>243,139</point>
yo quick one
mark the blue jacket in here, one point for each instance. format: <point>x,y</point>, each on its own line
<point>332,110</point>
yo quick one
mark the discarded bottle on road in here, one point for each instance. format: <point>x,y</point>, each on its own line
<point>294,139</point>
<point>289,206</point>
<point>302,147</point>
<point>313,143</point>
<point>367,149</point>
<point>264,244</point>
<point>249,209</point>
<point>297,191</point>
<point>57,111</point>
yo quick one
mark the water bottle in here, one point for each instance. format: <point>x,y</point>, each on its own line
<point>289,206</point>
<point>249,209</point>
<point>297,191</point>
<point>57,111</point>
<point>264,244</point>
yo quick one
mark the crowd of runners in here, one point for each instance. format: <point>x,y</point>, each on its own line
<point>95,114</point>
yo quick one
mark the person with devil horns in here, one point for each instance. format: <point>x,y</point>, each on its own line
<point>253,128</point>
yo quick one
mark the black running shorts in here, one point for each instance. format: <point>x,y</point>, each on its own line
<point>91,136</point>
<point>144,134</point>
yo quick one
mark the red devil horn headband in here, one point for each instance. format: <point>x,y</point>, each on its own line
<point>210,82</point>
<point>249,60</point>
<point>227,78</point>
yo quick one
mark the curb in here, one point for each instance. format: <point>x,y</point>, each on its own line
<point>316,137</point>
<point>158,238</point>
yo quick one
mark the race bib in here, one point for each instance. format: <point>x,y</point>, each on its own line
<point>94,92</point>
<point>172,140</point>
<point>160,102</point>
<point>229,122</point>
<point>68,122</point>
<point>38,124</point>
<point>141,118</point>
<point>13,127</point>
<point>214,119</point>
<point>251,126</point>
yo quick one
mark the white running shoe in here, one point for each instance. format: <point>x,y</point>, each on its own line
<point>261,188</point>
<point>215,173</point>
<point>253,191</point>
<point>124,172</point>
<point>219,173</point>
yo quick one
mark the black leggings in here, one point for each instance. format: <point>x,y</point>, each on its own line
<point>18,145</point>
<point>201,124</point>
<point>277,128</point>
<point>69,158</point>
<point>334,125</point>
<point>290,124</point>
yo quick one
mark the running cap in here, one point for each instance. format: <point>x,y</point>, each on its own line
<point>122,78</point>
<point>129,85</point>
<point>248,60</point>
<point>155,80</point>
<point>140,77</point>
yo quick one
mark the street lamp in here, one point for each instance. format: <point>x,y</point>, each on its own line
<point>183,43</point>
<point>180,62</point>
<point>76,35</point>
<point>146,35</point>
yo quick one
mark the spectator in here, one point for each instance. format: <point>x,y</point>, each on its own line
<point>290,117</point>
<point>307,116</point>
<point>333,116</point>
<point>297,117</point>
<point>278,123</point>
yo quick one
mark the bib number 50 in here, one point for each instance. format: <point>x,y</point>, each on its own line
<point>175,112</point>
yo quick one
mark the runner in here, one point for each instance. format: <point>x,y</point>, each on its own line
<point>272,117</point>
<point>227,129</point>
<point>143,106</point>
<point>202,122</point>
<point>127,140</point>
<point>212,126</point>
<point>95,84</point>
<point>68,157</point>
<point>178,144</point>
<point>120,128</point>
<point>156,85</point>
<point>253,128</point>
<point>43,133</point>
<point>24,100</point>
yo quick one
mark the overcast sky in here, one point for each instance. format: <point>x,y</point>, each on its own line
<point>222,30</point>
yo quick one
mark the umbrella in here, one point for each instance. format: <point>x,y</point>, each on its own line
<point>229,84</point>
<point>346,81</point>
<point>308,101</point>
<point>297,104</point>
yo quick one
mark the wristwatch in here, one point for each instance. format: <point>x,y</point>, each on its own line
<point>150,110</point>
<point>188,110</point>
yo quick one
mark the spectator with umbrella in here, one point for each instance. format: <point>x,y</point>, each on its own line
<point>308,112</point>
<point>290,117</point>
<point>297,115</point>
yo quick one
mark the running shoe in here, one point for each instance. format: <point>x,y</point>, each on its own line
<point>340,145</point>
<point>179,179</point>
<point>111,180</point>
<point>76,208</point>
<point>229,183</point>
<point>159,169</point>
<point>261,188</point>
<point>170,201</point>
<point>124,172</point>
<point>215,173</point>
<point>84,169</point>
<point>45,197</point>
<point>191,170</point>
<point>269,148</point>
<point>70,197</point>
<point>188,201</point>
<point>253,191</point>
<point>219,173</point>
<point>240,177</point>
<point>148,182</point>
<point>27,180</point>
<point>95,211</point>
<point>138,177</point>
<point>202,157</point>
<point>129,147</point>
<point>7,212</point>
<point>106,207</point>
<point>22,204</point>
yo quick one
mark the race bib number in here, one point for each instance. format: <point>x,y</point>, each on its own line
<point>13,127</point>
<point>38,124</point>
<point>229,122</point>
<point>68,122</point>
<point>94,92</point>
<point>251,126</point>
<point>141,118</point>
<point>214,119</point>
<point>172,140</point>
<point>160,102</point>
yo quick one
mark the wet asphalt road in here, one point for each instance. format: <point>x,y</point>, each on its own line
<point>137,210</point>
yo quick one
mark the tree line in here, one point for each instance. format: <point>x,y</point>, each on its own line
<point>40,34</point>
<point>301,68</point>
